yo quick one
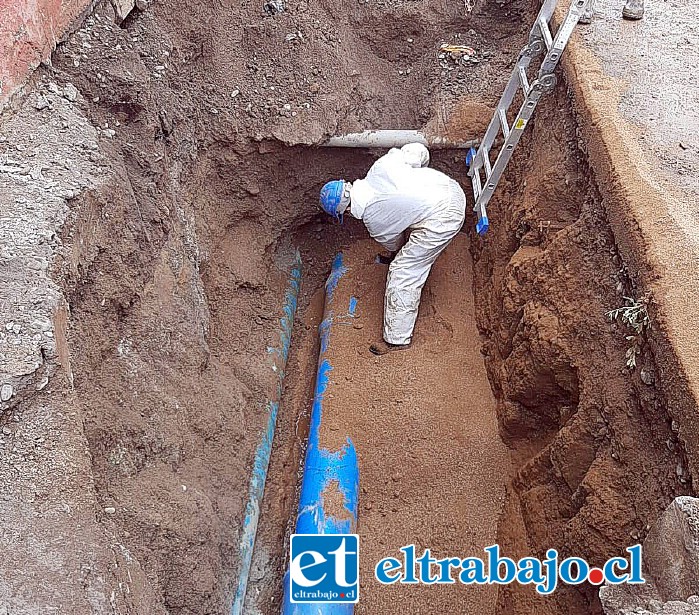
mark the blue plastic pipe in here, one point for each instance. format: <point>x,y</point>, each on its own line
<point>279,356</point>
<point>324,469</point>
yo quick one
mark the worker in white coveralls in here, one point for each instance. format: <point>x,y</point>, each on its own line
<point>399,194</point>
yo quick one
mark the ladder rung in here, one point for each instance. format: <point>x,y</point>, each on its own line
<point>523,81</point>
<point>545,33</point>
<point>486,164</point>
<point>503,122</point>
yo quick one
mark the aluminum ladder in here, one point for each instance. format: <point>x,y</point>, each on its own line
<point>540,40</point>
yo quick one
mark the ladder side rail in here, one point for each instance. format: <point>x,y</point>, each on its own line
<point>477,187</point>
<point>545,33</point>
<point>480,203</point>
<point>508,95</point>
<point>480,208</point>
<point>486,163</point>
<point>548,7</point>
<point>553,56</point>
<point>504,103</point>
<point>523,117</point>
<point>477,190</point>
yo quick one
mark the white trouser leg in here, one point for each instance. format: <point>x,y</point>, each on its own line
<point>411,266</point>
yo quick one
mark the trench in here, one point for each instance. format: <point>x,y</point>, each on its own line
<point>572,449</point>
<point>585,456</point>
<point>175,281</point>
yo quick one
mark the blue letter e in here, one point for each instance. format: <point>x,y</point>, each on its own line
<point>385,567</point>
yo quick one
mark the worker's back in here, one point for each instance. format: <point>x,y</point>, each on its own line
<point>396,196</point>
<point>392,181</point>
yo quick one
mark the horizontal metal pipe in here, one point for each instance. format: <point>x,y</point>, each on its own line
<point>395,138</point>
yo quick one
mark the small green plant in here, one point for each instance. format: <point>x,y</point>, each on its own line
<point>634,314</point>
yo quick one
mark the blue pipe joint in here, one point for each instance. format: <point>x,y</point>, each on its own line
<point>328,503</point>
<point>482,225</point>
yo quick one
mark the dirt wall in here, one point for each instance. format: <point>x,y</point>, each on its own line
<point>597,452</point>
<point>642,207</point>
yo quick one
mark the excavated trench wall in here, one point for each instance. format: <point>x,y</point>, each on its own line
<point>172,313</point>
<point>596,451</point>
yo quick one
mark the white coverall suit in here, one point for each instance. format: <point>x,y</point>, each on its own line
<point>397,195</point>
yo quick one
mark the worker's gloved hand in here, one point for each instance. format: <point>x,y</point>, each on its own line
<point>385,258</point>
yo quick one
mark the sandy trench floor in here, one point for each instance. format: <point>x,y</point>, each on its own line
<point>432,465</point>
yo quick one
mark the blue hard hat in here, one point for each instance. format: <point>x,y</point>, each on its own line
<point>331,197</point>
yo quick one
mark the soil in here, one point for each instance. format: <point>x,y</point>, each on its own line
<point>424,425</point>
<point>597,454</point>
<point>432,465</point>
<point>318,243</point>
<point>177,182</point>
